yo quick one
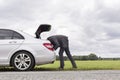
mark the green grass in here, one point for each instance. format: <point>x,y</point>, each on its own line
<point>84,65</point>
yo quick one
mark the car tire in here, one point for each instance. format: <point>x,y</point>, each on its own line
<point>23,61</point>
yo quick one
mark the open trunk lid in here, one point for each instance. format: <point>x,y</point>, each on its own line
<point>42,28</point>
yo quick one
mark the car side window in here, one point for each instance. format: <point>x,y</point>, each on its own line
<point>17,35</point>
<point>9,34</point>
<point>5,34</point>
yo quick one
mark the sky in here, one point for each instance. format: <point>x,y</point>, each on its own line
<point>93,26</point>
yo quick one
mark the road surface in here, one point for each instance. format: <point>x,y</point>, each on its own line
<point>61,75</point>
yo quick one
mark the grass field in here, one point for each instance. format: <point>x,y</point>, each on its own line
<point>84,65</point>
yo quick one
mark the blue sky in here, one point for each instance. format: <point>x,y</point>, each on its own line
<point>91,25</point>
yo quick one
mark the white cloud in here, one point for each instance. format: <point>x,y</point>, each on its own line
<point>92,25</point>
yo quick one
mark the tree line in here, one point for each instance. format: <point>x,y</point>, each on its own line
<point>91,56</point>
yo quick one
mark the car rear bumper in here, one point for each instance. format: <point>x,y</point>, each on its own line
<point>44,59</point>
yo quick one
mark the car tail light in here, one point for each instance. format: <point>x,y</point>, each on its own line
<point>49,46</point>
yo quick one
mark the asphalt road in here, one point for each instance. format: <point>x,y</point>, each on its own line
<point>62,75</point>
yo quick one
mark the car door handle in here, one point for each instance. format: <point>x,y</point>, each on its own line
<point>13,42</point>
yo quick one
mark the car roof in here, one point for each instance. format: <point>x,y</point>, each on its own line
<point>19,31</point>
<point>8,28</point>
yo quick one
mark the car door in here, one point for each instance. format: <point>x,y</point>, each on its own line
<point>9,41</point>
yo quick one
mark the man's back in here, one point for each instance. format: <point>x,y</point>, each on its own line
<point>59,41</point>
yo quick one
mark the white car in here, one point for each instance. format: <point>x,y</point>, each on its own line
<point>23,51</point>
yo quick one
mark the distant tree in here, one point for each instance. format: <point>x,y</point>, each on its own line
<point>92,56</point>
<point>65,58</point>
<point>84,58</point>
<point>57,57</point>
<point>76,57</point>
<point>99,58</point>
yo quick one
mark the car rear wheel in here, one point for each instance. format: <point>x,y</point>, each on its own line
<point>23,61</point>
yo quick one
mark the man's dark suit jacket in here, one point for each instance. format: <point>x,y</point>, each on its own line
<point>59,41</point>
